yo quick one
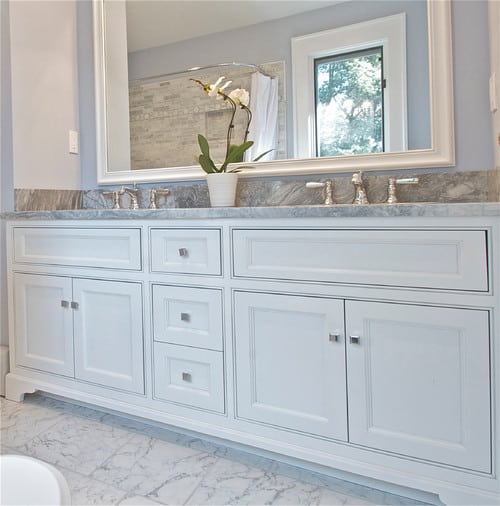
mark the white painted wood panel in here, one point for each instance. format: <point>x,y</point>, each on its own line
<point>418,382</point>
<point>187,251</point>
<point>445,259</point>
<point>187,316</point>
<point>113,248</point>
<point>289,371</point>
<point>109,334</point>
<point>43,327</point>
<point>189,376</point>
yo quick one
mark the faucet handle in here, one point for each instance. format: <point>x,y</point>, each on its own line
<point>391,190</point>
<point>153,193</point>
<point>116,198</point>
<point>328,186</point>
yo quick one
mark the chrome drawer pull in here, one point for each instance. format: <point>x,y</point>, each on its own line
<point>333,338</point>
<point>183,252</point>
<point>74,305</point>
<point>187,377</point>
<point>354,339</point>
<point>185,317</point>
<point>64,303</point>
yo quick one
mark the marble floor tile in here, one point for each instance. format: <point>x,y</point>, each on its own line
<point>19,422</point>
<point>85,490</point>
<point>111,459</point>
<point>160,470</point>
<point>78,444</point>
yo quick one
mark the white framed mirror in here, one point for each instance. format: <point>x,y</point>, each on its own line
<point>441,152</point>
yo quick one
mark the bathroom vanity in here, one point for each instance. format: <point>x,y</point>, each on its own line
<point>365,342</point>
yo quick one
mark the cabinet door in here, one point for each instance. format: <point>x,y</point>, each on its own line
<point>290,362</point>
<point>418,381</point>
<point>43,323</point>
<point>109,333</point>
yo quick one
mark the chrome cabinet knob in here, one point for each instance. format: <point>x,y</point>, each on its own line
<point>183,252</point>
<point>354,339</point>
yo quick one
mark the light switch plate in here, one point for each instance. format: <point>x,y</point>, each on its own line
<point>74,142</point>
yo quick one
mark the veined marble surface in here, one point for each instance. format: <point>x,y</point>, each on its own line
<point>448,187</point>
<point>109,459</point>
<point>318,211</point>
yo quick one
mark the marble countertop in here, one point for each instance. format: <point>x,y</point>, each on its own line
<point>319,211</point>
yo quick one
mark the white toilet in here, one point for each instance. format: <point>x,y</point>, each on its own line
<point>25,480</point>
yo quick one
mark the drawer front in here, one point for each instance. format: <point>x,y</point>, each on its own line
<point>186,251</point>
<point>188,316</point>
<point>189,376</point>
<point>442,259</point>
<point>111,248</point>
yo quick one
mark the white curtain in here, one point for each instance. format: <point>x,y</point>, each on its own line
<point>264,126</point>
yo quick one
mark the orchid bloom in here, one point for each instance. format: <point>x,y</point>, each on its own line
<point>214,90</point>
<point>240,97</point>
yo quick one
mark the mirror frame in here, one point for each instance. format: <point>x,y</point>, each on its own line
<point>441,154</point>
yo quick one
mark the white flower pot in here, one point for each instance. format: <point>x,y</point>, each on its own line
<point>222,189</point>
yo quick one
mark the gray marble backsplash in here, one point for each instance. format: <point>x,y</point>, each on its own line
<point>48,200</point>
<point>450,187</point>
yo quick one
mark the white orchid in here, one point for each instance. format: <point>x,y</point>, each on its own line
<point>214,90</point>
<point>240,97</point>
<point>234,152</point>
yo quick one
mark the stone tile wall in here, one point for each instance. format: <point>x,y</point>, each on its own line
<point>166,117</point>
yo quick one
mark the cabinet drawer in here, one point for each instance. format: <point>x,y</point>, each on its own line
<point>187,316</point>
<point>443,259</point>
<point>112,248</point>
<point>189,376</point>
<point>186,251</point>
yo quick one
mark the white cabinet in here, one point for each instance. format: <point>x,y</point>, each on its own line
<point>417,378</point>
<point>43,326</point>
<point>418,381</point>
<point>189,376</point>
<point>366,345</point>
<point>290,362</point>
<point>109,334</point>
<point>83,328</point>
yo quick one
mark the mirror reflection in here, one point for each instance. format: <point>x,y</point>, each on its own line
<point>154,112</point>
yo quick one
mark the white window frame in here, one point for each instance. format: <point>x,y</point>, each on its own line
<point>388,32</point>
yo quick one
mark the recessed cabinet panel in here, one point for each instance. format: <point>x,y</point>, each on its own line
<point>290,362</point>
<point>444,259</point>
<point>186,251</point>
<point>113,248</point>
<point>109,334</point>
<point>418,382</point>
<point>189,376</point>
<point>43,323</point>
<point>188,316</point>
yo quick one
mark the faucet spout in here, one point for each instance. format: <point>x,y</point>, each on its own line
<point>360,197</point>
<point>134,204</point>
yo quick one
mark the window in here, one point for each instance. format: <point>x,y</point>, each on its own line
<point>349,88</point>
<point>349,104</point>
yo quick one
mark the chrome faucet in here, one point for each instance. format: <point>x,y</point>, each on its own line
<point>328,194</point>
<point>116,198</point>
<point>153,193</point>
<point>360,196</point>
<point>132,193</point>
<point>392,198</point>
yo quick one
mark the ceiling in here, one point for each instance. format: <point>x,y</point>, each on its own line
<point>152,23</point>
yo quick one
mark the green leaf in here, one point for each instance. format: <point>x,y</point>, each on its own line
<point>205,149</point>
<point>207,164</point>
<point>236,154</point>
<point>261,155</point>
